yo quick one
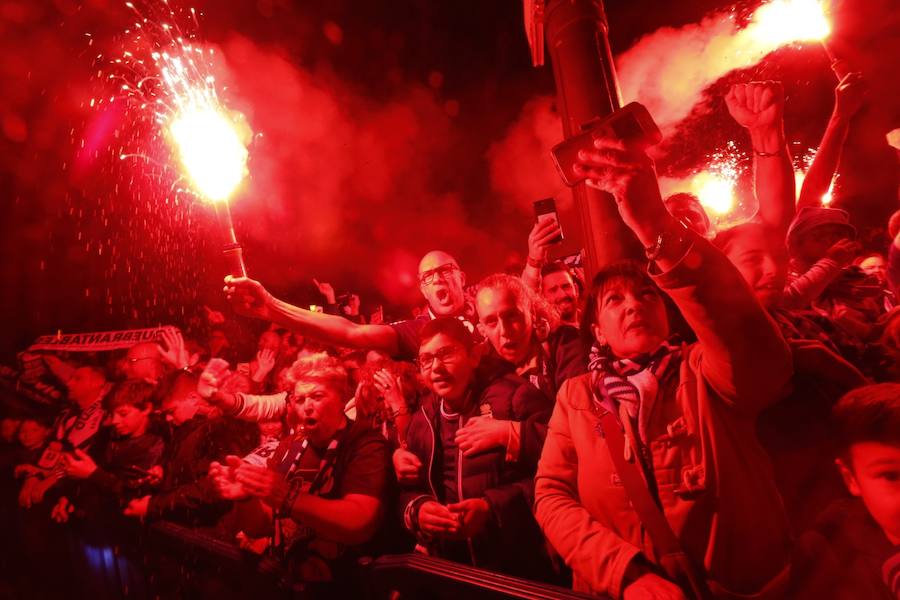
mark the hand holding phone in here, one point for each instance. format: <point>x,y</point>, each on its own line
<point>548,230</point>
<point>631,124</point>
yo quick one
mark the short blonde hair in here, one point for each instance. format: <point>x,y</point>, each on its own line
<point>321,368</point>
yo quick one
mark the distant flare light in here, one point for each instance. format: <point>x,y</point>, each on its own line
<point>784,21</point>
<point>715,191</point>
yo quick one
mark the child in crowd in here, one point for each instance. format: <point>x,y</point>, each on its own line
<point>854,550</point>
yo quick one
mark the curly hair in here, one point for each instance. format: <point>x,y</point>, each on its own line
<point>544,316</point>
<point>322,368</point>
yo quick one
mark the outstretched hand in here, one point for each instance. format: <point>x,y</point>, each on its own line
<point>265,362</point>
<point>248,297</point>
<point>175,352</point>
<point>756,105</point>
<point>542,236</point>
<point>225,480</point>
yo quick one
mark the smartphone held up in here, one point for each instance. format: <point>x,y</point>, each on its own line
<point>632,124</point>
<point>545,210</point>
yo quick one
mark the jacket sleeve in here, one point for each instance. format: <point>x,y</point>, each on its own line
<point>569,355</point>
<point>223,440</point>
<point>410,497</point>
<point>595,553</point>
<point>802,291</point>
<point>261,408</point>
<point>511,504</point>
<point>741,353</point>
<point>115,485</point>
<point>532,409</point>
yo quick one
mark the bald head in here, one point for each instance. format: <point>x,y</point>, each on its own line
<point>434,259</point>
<point>143,362</point>
<point>441,282</point>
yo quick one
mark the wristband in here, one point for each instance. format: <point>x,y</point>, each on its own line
<point>664,239</point>
<point>765,154</point>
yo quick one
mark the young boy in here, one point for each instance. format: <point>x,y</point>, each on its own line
<point>124,461</point>
<point>854,550</point>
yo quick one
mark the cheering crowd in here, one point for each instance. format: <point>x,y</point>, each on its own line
<point>721,420</point>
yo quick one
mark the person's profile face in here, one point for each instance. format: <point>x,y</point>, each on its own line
<point>690,212</point>
<point>761,263</point>
<point>129,420</point>
<point>875,266</point>
<point>874,476</point>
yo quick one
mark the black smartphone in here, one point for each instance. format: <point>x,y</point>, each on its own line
<point>545,210</point>
<point>631,123</point>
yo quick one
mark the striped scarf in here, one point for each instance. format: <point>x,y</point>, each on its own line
<point>629,387</point>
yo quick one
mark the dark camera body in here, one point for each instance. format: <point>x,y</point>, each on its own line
<point>632,123</point>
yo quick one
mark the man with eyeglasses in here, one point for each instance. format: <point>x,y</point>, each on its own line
<point>473,508</point>
<point>143,362</point>
<point>441,282</point>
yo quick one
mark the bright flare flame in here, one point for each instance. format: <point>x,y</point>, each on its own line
<point>784,21</point>
<point>212,146</point>
<point>716,192</point>
<point>210,150</point>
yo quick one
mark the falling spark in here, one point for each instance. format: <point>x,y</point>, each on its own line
<point>715,185</point>
<point>715,192</point>
<point>172,77</point>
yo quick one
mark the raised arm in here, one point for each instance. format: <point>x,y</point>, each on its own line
<point>539,241</point>
<point>251,299</point>
<point>737,338</point>
<point>759,108</point>
<point>849,96</point>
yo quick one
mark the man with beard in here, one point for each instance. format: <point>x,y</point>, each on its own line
<point>441,282</point>
<point>558,287</point>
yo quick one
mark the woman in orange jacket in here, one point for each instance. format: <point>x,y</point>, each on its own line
<point>687,413</point>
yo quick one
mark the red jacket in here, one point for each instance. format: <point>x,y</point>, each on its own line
<point>714,479</point>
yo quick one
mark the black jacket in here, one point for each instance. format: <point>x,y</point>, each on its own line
<point>513,541</point>
<point>186,494</point>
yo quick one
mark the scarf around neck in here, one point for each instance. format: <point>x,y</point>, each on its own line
<point>628,387</point>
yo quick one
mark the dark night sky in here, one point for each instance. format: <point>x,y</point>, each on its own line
<point>376,148</point>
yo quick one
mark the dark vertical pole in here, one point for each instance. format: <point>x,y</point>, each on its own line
<point>586,88</point>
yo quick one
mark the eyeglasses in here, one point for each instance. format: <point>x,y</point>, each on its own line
<point>443,271</point>
<point>445,355</point>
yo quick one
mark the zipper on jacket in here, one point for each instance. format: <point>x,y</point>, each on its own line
<point>433,451</point>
